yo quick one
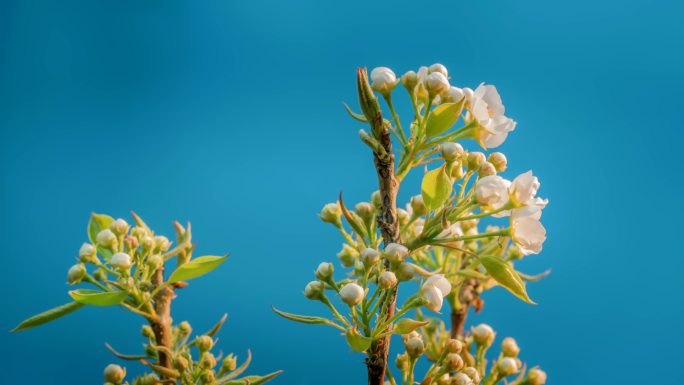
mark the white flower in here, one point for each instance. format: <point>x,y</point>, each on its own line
<point>524,188</point>
<point>527,233</point>
<point>439,68</point>
<point>486,108</point>
<point>439,282</point>
<point>434,290</point>
<point>120,261</point>
<point>436,83</point>
<point>383,80</point>
<point>492,191</point>
<point>352,294</point>
<point>396,252</point>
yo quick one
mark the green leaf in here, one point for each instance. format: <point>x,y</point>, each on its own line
<point>98,298</point>
<point>407,325</point>
<point>97,223</point>
<point>250,380</point>
<point>354,115</point>
<point>196,268</point>
<point>443,117</point>
<point>305,319</point>
<point>356,341</point>
<point>436,188</point>
<point>504,274</point>
<point>48,316</point>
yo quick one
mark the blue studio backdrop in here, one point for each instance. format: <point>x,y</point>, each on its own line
<point>229,114</point>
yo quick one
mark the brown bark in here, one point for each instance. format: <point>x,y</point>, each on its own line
<point>162,325</point>
<point>388,225</point>
<point>458,319</point>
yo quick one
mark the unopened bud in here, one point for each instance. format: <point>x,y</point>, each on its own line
<point>106,238</point>
<point>114,373</point>
<point>473,374</point>
<point>365,211</point>
<point>454,346</point>
<point>149,379</point>
<point>314,290</point>
<point>155,261</point>
<point>76,273</point>
<point>402,361</point>
<point>370,257</point>
<point>439,68</point>
<point>536,376</point>
<point>383,80</point>
<point>418,206</point>
<point>229,363</point>
<point>119,227</point>
<point>453,361</point>
<point>180,363</point>
<point>409,80</point>
<point>376,199</point>
<point>403,216</point>
<point>414,347</point>
<point>130,242</point>
<point>121,261</point>
<point>396,252</point>
<point>204,343</point>
<point>455,94</point>
<point>483,334</point>
<point>486,169</point>
<point>452,151</point>
<point>161,243</point>
<point>331,213</point>
<point>348,255</point>
<point>147,243</point>
<point>457,172</point>
<point>324,271</point>
<point>509,347</point>
<point>507,366</point>
<point>461,379</point>
<point>207,360</point>
<point>405,272</point>
<point>352,294</point>
<point>87,253</point>
<point>475,160</point>
<point>387,280</point>
<point>100,275</point>
<point>498,160</point>
<point>147,331</point>
<point>185,328</point>
<point>513,253</point>
<point>207,377</point>
<point>436,83</point>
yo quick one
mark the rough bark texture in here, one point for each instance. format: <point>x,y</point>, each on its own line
<point>162,326</point>
<point>458,319</point>
<point>376,361</point>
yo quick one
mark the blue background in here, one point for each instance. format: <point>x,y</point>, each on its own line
<point>229,114</point>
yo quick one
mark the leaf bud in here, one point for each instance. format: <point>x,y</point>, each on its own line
<point>161,243</point>
<point>436,83</point>
<point>475,160</point>
<point>483,334</point>
<point>405,272</point>
<point>76,273</point>
<point>454,346</point>
<point>453,361</point>
<point>352,294</point>
<point>452,151</point>
<point>414,347</point>
<point>185,328</point>
<point>387,280</point>
<point>370,257</point>
<point>536,376</point>
<point>87,253</point>
<point>107,239</point>
<point>509,347</point>
<point>114,373</point>
<point>486,169</point>
<point>324,271</point>
<point>331,213</point>
<point>365,211</point>
<point>499,161</point>
<point>154,262</point>
<point>204,343</point>
<point>409,80</point>
<point>314,290</point>
<point>121,261</point>
<point>348,255</point>
<point>507,366</point>
<point>119,227</point>
<point>207,361</point>
<point>418,205</point>
<point>376,199</point>
<point>395,252</point>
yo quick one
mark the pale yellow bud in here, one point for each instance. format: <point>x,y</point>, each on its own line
<point>509,347</point>
<point>498,160</point>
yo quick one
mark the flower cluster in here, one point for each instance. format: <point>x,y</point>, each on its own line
<point>443,240</point>
<point>127,265</point>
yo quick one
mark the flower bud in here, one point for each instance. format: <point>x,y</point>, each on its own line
<point>396,252</point>
<point>119,227</point>
<point>513,253</point>
<point>498,160</point>
<point>486,169</point>
<point>475,160</point>
<point>365,211</point>
<point>452,151</point>
<point>418,206</point>
<point>414,347</point>
<point>331,213</point>
<point>147,331</point>
<point>473,374</point>
<point>161,243</point>
<point>405,272</point>
<point>149,379</point>
<point>180,363</point>
<point>402,362</point>
<point>455,94</point>
<point>507,366</point>
<point>114,373</point>
<point>536,376</point>
<point>376,199</point>
<point>352,294</point>
<point>106,238</point>
<point>147,243</point>
<point>402,216</point>
<point>229,363</point>
<point>185,328</point>
<point>155,261</point>
<point>370,257</point>
<point>453,361</point>
<point>76,273</point>
<point>348,255</point>
<point>387,280</point>
<point>383,80</point>
<point>454,346</point>
<point>100,275</point>
<point>121,261</point>
<point>439,68</point>
<point>444,379</point>
<point>436,83</point>
<point>207,360</point>
<point>204,343</point>
<point>207,377</point>
<point>483,334</point>
<point>509,347</point>
<point>324,271</point>
<point>461,379</point>
<point>87,253</point>
<point>457,172</point>
<point>314,290</point>
<point>409,80</point>
<point>130,242</point>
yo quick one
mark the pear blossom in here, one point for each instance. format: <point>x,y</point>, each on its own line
<point>524,188</point>
<point>105,238</point>
<point>352,294</point>
<point>324,271</point>
<point>507,366</point>
<point>120,261</point>
<point>439,282</point>
<point>492,191</point>
<point>383,80</point>
<point>487,109</point>
<point>86,250</point>
<point>314,290</point>
<point>396,252</point>
<point>483,334</point>
<point>436,83</point>
<point>527,233</point>
<point>437,67</point>
<point>455,94</point>
<point>434,290</point>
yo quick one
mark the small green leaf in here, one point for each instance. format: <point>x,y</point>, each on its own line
<point>443,117</point>
<point>98,298</point>
<point>436,188</point>
<point>354,115</point>
<point>504,274</point>
<point>305,319</point>
<point>196,268</point>
<point>356,341</point>
<point>407,325</point>
<point>97,223</point>
<point>48,316</point>
<point>250,380</point>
